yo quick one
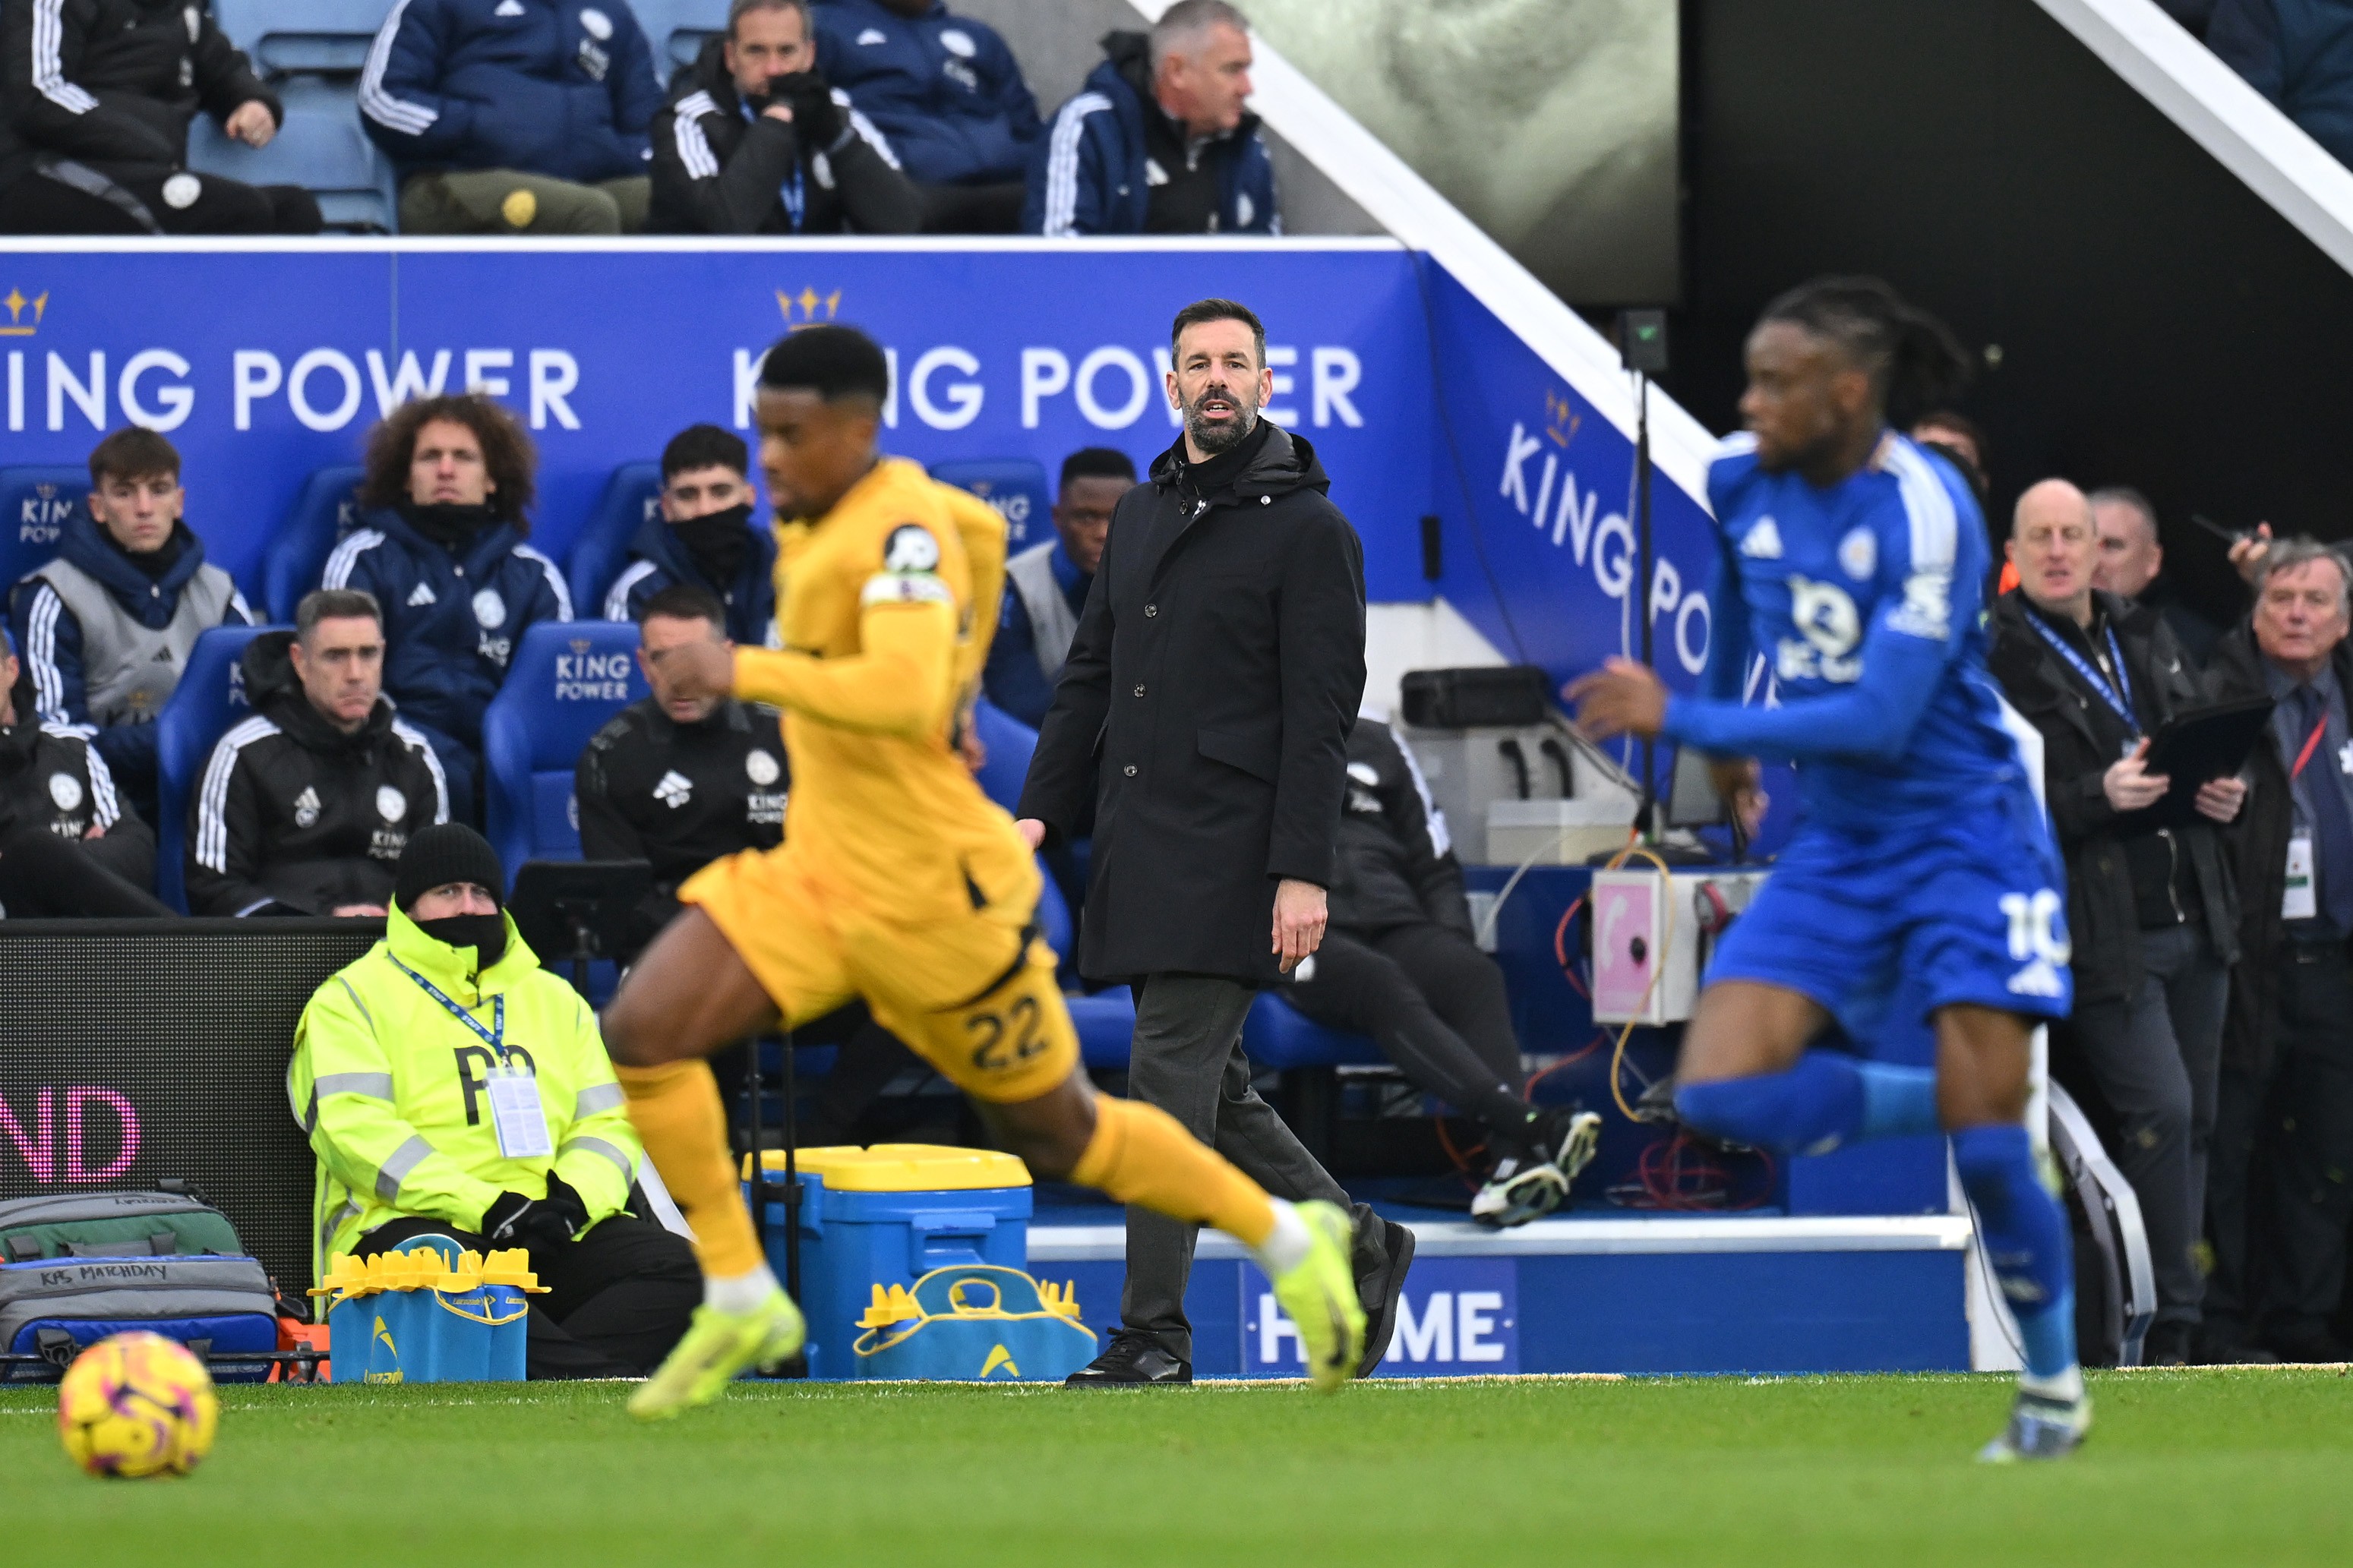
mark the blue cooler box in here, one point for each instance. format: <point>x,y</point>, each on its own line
<point>477,1334</point>
<point>887,1215</point>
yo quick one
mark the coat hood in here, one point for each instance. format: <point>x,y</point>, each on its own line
<point>1127,64</point>
<point>273,690</point>
<point>657,541</point>
<point>710,75</point>
<point>151,600</point>
<point>488,545</point>
<point>1285,463</point>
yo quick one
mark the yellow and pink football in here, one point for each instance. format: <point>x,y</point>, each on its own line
<point>137,1404</point>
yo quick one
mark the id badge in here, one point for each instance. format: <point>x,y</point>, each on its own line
<point>2296,900</point>
<point>516,1114</point>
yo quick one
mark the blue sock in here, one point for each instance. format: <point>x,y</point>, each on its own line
<point>1828,1099</point>
<point>2025,1237</point>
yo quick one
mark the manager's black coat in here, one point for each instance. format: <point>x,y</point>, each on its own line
<point>1202,720</point>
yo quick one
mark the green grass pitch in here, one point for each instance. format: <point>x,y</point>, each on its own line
<point>2201,1468</point>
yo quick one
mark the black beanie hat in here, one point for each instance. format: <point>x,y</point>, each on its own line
<point>444,853</point>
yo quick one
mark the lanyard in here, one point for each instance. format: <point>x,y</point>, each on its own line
<point>2118,696</point>
<point>2311,742</point>
<point>495,1035</point>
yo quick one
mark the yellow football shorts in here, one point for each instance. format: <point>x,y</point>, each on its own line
<point>973,993</point>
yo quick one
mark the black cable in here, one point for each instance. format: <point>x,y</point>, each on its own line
<point>1510,749</point>
<point>1559,754</point>
<point>1454,452</point>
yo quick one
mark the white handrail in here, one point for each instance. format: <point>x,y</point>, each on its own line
<point>2244,131</point>
<point>1408,206</point>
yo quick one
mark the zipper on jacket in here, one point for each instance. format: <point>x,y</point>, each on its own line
<point>2172,872</point>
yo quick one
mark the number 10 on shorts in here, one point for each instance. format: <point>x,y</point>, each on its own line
<point>2032,918</point>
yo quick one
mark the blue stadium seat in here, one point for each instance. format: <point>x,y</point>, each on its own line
<point>34,505</point>
<point>1016,486</point>
<point>321,147</point>
<point>324,509</point>
<point>208,699</point>
<point>632,495</point>
<point>297,37</point>
<point>1008,742</point>
<point>1278,1036</point>
<point>568,678</point>
<point>677,30</point>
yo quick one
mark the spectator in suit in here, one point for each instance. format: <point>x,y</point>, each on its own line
<point>1046,586</point>
<point>754,141</point>
<point>948,93</point>
<point>704,539</point>
<point>96,97</point>
<point>514,116</point>
<point>1158,141</point>
<point>444,505</point>
<point>305,807</point>
<point>106,627</point>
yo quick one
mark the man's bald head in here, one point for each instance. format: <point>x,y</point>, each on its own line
<point>2055,546</point>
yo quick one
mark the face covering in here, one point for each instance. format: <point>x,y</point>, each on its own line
<point>447,523</point>
<point>486,934</point>
<point>718,543</point>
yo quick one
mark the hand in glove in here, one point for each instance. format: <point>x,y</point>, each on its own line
<point>816,117</point>
<point>514,1220</point>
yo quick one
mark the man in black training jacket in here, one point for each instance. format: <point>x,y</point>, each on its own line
<point>1201,727</point>
<point>754,142</point>
<point>306,806</point>
<point>67,846</point>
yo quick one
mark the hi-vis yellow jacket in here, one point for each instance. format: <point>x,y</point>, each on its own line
<point>390,1087</point>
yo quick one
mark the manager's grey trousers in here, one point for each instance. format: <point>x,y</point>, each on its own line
<point>1187,1058</point>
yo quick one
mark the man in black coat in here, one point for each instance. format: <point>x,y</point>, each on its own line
<point>754,141</point>
<point>306,806</point>
<point>69,846</point>
<point>2152,913</point>
<point>2282,1188</point>
<point>1200,727</point>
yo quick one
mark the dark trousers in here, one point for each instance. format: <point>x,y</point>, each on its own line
<point>973,209</point>
<point>617,1298</point>
<point>1187,1058</point>
<point>2281,1191</point>
<point>43,876</point>
<point>2154,1058</point>
<point>1436,1006</point>
<point>76,199</point>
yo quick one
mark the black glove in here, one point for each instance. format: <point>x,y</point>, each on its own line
<point>566,1204</point>
<point>514,1220</point>
<point>816,117</point>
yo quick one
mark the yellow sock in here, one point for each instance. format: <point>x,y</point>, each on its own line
<point>1141,1154</point>
<point>684,1128</point>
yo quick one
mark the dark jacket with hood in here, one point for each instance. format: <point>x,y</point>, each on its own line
<point>1395,863</point>
<point>2258,843</point>
<point>660,559</point>
<point>51,781</point>
<point>719,170</point>
<point>90,676</point>
<point>946,89</point>
<point>2127,871</point>
<point>294,817</point>
<point>1201,723</point>
<point>112,84</point>
<point>561,88</point>
<point>451,618</point>
<point>1112,161</point>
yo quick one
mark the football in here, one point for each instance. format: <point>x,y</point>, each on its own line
<point>137,1404</point>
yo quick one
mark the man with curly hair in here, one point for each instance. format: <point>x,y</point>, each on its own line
<point>440,544</point>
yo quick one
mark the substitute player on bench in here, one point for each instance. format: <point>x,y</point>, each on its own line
<point>1853,561</point>
<point>897,881</point>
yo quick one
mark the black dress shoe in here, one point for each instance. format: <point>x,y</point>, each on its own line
<point>2319,1347</point>
<point>2225,1349</point>
<point>1380,1287</point>
<point>1132,1358</point>
<point>2169,1344</point>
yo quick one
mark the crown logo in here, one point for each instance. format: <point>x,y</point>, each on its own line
<point>581,646</point>
<point>1560,420</point>
<point>15,301</point>
<point>802,310</point>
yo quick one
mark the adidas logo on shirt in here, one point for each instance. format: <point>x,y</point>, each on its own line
<point>422,594</point>
<point>872,35</point>
<point>1763,542</point>
<point>306,809</point>
<point>509,8</point>
<point>2037,979</point>
<point>674,789</point>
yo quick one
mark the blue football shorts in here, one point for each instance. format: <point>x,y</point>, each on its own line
<point>1967,906</point>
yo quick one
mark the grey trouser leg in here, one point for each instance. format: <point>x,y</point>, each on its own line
<point>2130,1048</point>
<point>1187,1058</point>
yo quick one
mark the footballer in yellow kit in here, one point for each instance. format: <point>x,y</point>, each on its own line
<point>898,881</point>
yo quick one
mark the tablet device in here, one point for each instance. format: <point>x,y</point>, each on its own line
<point>2200,744</point>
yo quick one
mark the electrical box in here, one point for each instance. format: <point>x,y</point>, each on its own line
<point>1653,935</point>
<point>1467,770</point>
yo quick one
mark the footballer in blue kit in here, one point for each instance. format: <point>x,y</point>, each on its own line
<point>1853,563</point>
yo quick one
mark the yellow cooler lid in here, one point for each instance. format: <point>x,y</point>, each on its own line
<point>903,1168</point>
